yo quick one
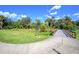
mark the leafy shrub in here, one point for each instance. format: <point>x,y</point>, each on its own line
<point>51,31</point>
<point>43,28</point>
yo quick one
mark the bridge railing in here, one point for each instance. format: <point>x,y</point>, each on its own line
<point>71,33</point>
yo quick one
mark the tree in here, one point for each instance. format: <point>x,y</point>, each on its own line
<point>8,24</point>
<point>58,23</point>
<point>68,22</point>
<point>33,25</point>
<point>65,23</point>
<point>77,22</point>
<point>17,24</point>
<point>37,24</point>
<point>3,21</point>
<point>26,22</point>
<point>50,21</point>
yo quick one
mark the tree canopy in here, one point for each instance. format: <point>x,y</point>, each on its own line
<point>26,22</point>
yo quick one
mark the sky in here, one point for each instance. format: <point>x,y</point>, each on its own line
<point>39,11</point>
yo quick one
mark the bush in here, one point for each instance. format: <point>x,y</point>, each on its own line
<point>43,28</point>
<point>51,31</point>
<point>65,27</point>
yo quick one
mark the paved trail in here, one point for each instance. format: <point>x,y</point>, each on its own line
<point>58,44</point>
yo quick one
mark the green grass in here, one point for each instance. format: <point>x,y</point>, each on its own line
<point>77,34</point>
<point>20,36</point>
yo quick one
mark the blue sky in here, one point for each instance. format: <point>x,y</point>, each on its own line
<point>39,11</point>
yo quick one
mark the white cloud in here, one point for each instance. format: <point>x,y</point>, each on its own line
<point>53,13</point>
<point>13,15</point>
<point>39,17</point>
<point>48,16</point>
<point>58,17</point>
<point>8,14</point>
<point>76,14</point>
<point>23,15</point>
<point>4,13</point>
<point>1,12</point>
<point>55,8</point>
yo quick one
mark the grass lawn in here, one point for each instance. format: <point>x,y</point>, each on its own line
<point>19,36</point>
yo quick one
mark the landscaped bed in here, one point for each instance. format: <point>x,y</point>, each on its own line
<point>20,36</point>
